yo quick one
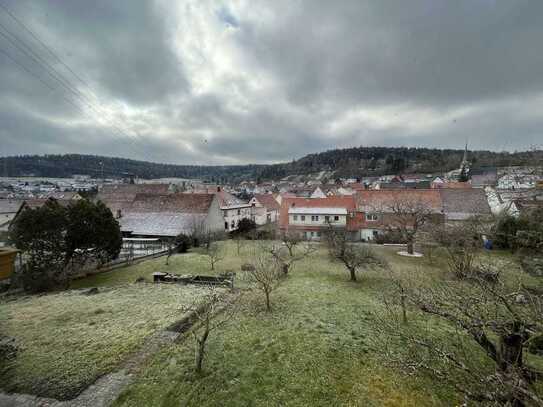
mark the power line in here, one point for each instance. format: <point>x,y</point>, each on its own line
<point>59,78</point>
<point>45,83</point>
<point>66,82</point>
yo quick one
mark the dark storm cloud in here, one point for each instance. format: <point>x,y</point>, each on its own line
<point>217,82</point>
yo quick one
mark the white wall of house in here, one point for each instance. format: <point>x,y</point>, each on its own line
<point>262,215</point>
<point>322,219</point>
<point>232,216</point>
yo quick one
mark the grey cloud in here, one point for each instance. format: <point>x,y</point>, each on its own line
<point>324,59</point>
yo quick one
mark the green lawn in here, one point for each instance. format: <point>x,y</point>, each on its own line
<point>319,346</point>
<point>67,340</point>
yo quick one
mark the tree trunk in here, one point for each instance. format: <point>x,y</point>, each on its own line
<point>285,269</point>
<point>410,247</point>
<point>404,311</point>
<point>268,306</point>
<point>510,353</point>
<point>353,274</point>
<point>200,351</point>
<point>212,265</point>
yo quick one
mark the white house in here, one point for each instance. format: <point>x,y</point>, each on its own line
<point>265,209</point>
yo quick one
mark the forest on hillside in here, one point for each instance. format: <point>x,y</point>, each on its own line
<point>349,162</point>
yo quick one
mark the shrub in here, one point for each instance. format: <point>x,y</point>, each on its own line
<point>183,243</point>
<point>390,236</point>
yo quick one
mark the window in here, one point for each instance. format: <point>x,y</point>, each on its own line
<point>371,217</point>
<point>295,217</point>
<point>239,211</point>
<point>327,218</point>
<point>303,218</point>
<point>314,218</point>
<point>336,218</point>
<point>225,225</point>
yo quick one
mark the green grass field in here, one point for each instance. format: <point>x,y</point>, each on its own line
<point>67,340</point>
<point>320,346</point>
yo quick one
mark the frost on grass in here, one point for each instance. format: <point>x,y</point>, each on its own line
<point>66,340</point>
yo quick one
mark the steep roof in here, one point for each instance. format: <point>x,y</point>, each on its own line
<point>10,205</point>
<point>188,203</point>
<point>226,199</point>
<point>159,223</point>
<point>267,201</point>
<point>379,199</point>
<point>461,204</point>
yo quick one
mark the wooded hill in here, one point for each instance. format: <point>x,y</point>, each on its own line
<point>349,162</point>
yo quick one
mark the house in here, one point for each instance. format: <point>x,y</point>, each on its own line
<point>463,204</point>
<point>375,209</point>
<point>168,215</point>
<point>120,196</point>
<point>311,217</point>
<point>265,209</point>
<point>233,209</point>
<point>8,210</point>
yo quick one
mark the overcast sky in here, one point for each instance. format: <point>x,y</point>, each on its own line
<point>212,82</point>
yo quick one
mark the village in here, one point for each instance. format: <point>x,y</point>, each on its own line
<point>271,203</point>
<point>245,249</point>
<point>162,209</point>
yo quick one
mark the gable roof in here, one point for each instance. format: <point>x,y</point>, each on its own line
<point>461,204</point>
<point>159,223</point>
<point>10,205</point>
<point>379,199</point>
<point>186,203</point>
<point>267,201</point>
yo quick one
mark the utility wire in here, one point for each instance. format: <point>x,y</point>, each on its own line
<point>58,58</point>
<point>57,76</point>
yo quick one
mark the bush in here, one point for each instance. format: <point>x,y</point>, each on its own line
<point>391,237</point>
<point>183,243</point>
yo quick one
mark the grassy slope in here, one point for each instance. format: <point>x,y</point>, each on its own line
<point>318,347</point>
<point>67,339</point>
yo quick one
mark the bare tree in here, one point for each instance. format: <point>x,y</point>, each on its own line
<point>170,244</point>
<point>491,321</point>
<point>290,240</point>
<point>407,215</point>
<point>286,256</point>
<point>214,254</point>
<point>461,243</point>
<point>264,274</point>
<point>353,256</point>
<point>212,311</point>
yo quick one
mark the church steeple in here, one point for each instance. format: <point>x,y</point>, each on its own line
<point>465,158</point>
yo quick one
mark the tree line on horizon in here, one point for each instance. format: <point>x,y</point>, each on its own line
<point>348,162</point>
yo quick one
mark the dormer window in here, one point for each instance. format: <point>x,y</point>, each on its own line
<point>372,217</point>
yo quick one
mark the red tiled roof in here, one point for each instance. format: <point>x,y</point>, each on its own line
<point>268,201</point>
<point>346,202</point>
